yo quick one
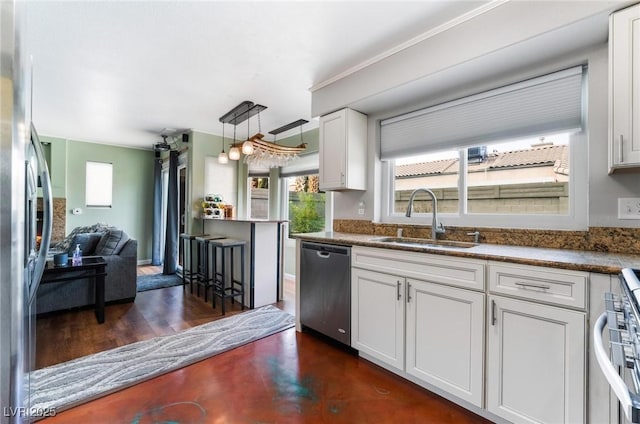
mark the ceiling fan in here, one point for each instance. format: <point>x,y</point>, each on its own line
<point>173,135</point>
<point>162,146</point>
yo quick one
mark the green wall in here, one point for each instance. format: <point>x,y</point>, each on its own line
<point>132,208</point>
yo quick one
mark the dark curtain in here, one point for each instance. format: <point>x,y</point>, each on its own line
<point>156,255</point>
<point>171,239</point>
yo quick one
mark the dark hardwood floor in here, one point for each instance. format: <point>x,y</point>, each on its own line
<point>288,377</point>
<point>63,336</point>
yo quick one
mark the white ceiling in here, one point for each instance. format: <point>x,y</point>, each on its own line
<point>120,72</point>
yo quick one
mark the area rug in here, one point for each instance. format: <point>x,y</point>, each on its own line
<point>157,281</point>
<point>71,383</point>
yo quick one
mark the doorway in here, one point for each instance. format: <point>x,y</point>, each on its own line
<point>182,205</point>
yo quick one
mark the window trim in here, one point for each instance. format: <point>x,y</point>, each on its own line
<point>576,219</point>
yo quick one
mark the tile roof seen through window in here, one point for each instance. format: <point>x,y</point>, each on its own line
<point>541,155</point>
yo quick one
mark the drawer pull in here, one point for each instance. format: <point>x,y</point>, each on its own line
<point>532,285</point>
<point>493,312</point>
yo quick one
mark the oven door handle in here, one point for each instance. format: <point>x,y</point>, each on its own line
<point>615,381</point>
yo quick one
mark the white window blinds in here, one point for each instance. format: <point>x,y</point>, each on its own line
<point>546,104</point>
<point>99,184</point>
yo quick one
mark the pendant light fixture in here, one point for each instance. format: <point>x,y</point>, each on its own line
<point>272,155</point>
<point>222,157</point>
<point>247,146</point>
<point>234,151</point>
<point>258,152</point>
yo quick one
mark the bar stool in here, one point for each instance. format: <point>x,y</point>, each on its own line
<point>190,274</point>
<point>203,277</point>
<point>219,284</point>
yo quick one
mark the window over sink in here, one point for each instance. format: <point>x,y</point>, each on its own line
<point>526,183</point>
<point>512,157</point>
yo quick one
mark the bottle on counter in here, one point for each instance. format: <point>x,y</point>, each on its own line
<point>77,256</point>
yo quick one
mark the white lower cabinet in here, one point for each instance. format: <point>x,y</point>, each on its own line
<point>535,362</point>
<point>445,338</point>
<point>515,349</point>
<point>430,331</point>
<point>377,316</point>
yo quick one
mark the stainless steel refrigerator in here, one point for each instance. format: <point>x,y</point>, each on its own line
<point>23,178</point>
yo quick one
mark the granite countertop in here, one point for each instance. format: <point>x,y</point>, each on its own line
<point>600,262</point>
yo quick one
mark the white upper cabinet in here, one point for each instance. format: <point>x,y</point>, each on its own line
<point>343,150</point>
<point>624,89</point>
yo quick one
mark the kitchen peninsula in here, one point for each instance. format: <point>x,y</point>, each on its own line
<point>263,260</point>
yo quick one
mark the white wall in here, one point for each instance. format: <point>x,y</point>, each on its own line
<point>495,36</point>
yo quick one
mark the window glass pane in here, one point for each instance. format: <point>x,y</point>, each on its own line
<point>259,198</point>
<point>529,176</point>
<point>306,204</point>
<point>438,172</point>
<point>99,184</point>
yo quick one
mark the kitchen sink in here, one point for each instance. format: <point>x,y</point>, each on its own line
<point>420,242</point>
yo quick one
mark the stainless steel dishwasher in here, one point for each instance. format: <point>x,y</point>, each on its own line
<point>325,290</point>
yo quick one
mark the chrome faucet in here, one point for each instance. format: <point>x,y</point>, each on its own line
<point>436,228</point>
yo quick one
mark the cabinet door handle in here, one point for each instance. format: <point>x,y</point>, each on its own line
<point>398,289</point>
<point>342,178</point>
<point>620,147</point>
<point>408,292</point>
<point>493,312</point>
<point>536,286</point>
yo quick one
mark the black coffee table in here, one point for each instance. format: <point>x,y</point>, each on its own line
<point>92,268</point>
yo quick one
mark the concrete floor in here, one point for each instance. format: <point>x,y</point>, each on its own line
<point>288,377</point>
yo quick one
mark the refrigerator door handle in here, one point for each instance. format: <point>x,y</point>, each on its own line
<point>47,207</point>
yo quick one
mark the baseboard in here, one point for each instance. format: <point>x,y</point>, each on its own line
<point>144,262</point>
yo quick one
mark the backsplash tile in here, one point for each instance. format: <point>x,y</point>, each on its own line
<point>59,217</point>
<point>600,239</point>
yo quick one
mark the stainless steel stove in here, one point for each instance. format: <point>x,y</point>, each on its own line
<point>622,320</point>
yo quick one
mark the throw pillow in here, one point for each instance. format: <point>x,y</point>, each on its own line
<point>87,242</point>
<point>112,242</point>
<point>65,244</point>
